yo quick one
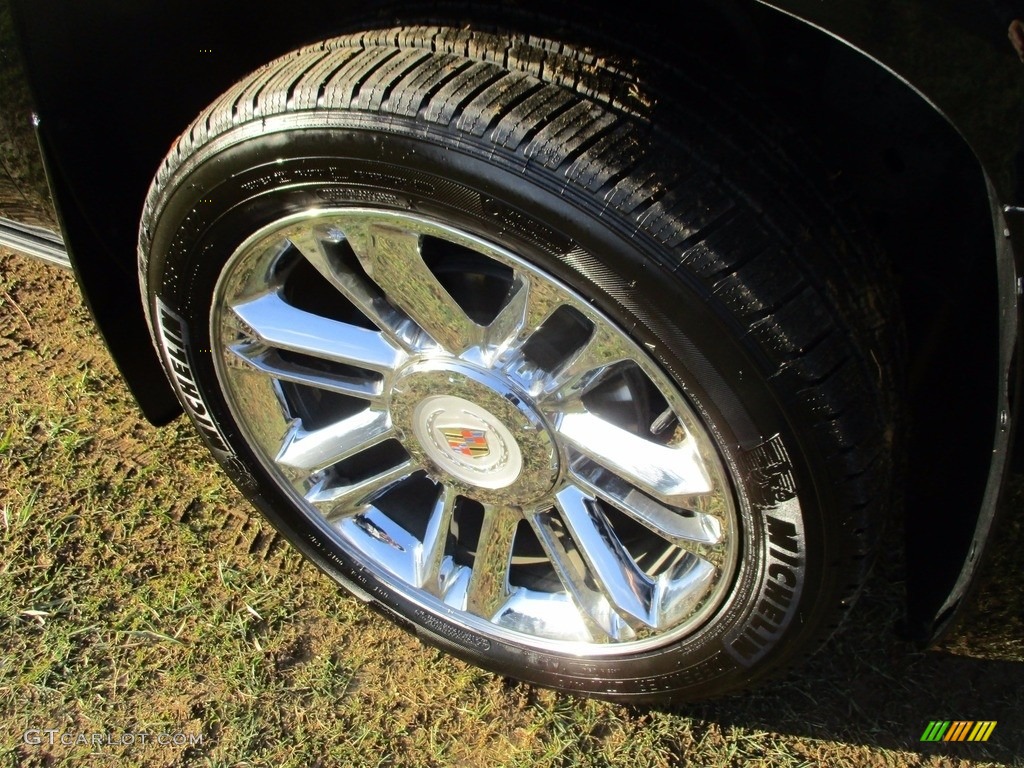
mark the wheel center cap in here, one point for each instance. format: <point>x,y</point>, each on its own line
<point>475,430</point>
<point>467,441</point>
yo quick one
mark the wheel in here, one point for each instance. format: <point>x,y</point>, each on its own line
<point>558,379</point>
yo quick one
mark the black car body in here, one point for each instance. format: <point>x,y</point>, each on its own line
<point>911,107</point>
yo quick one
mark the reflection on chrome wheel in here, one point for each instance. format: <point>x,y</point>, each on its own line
<point>473,429</point>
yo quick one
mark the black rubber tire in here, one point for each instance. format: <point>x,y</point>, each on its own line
<point>688,226</point>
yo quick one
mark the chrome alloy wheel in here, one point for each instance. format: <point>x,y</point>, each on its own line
<point>474,432</point>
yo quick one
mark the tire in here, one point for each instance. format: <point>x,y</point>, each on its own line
<point>586,388</point>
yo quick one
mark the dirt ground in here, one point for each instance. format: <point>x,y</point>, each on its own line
<point>140,596</point>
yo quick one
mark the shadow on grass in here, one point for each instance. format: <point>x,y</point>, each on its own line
<point>866,687</point>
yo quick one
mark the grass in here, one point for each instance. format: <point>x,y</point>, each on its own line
<point>139,594</point>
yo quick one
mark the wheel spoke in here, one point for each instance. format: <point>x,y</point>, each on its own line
<point>618,577</point>
<point>270,419</point>
<point>683,528</point>
<point>526,310</point>
<point>585,367</point>
<point>278,324</point>
<point>668,473</point>
<point>432,550</point>
<point>336,501</point>
<point>680,590</point>
<point>376,535</point>
<point>310,241</point>
<point>488,586</point>
<point>574,573</point>
<point>393,260</point>
<point>258,357</point>
<point>320,448</point>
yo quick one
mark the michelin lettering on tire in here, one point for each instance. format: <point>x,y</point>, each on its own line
<point>773,497</point>
<point>173,337</point>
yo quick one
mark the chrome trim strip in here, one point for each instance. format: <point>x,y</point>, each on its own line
<point>35,242</point>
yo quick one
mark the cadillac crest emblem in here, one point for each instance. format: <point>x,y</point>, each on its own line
<point>468,442</point>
